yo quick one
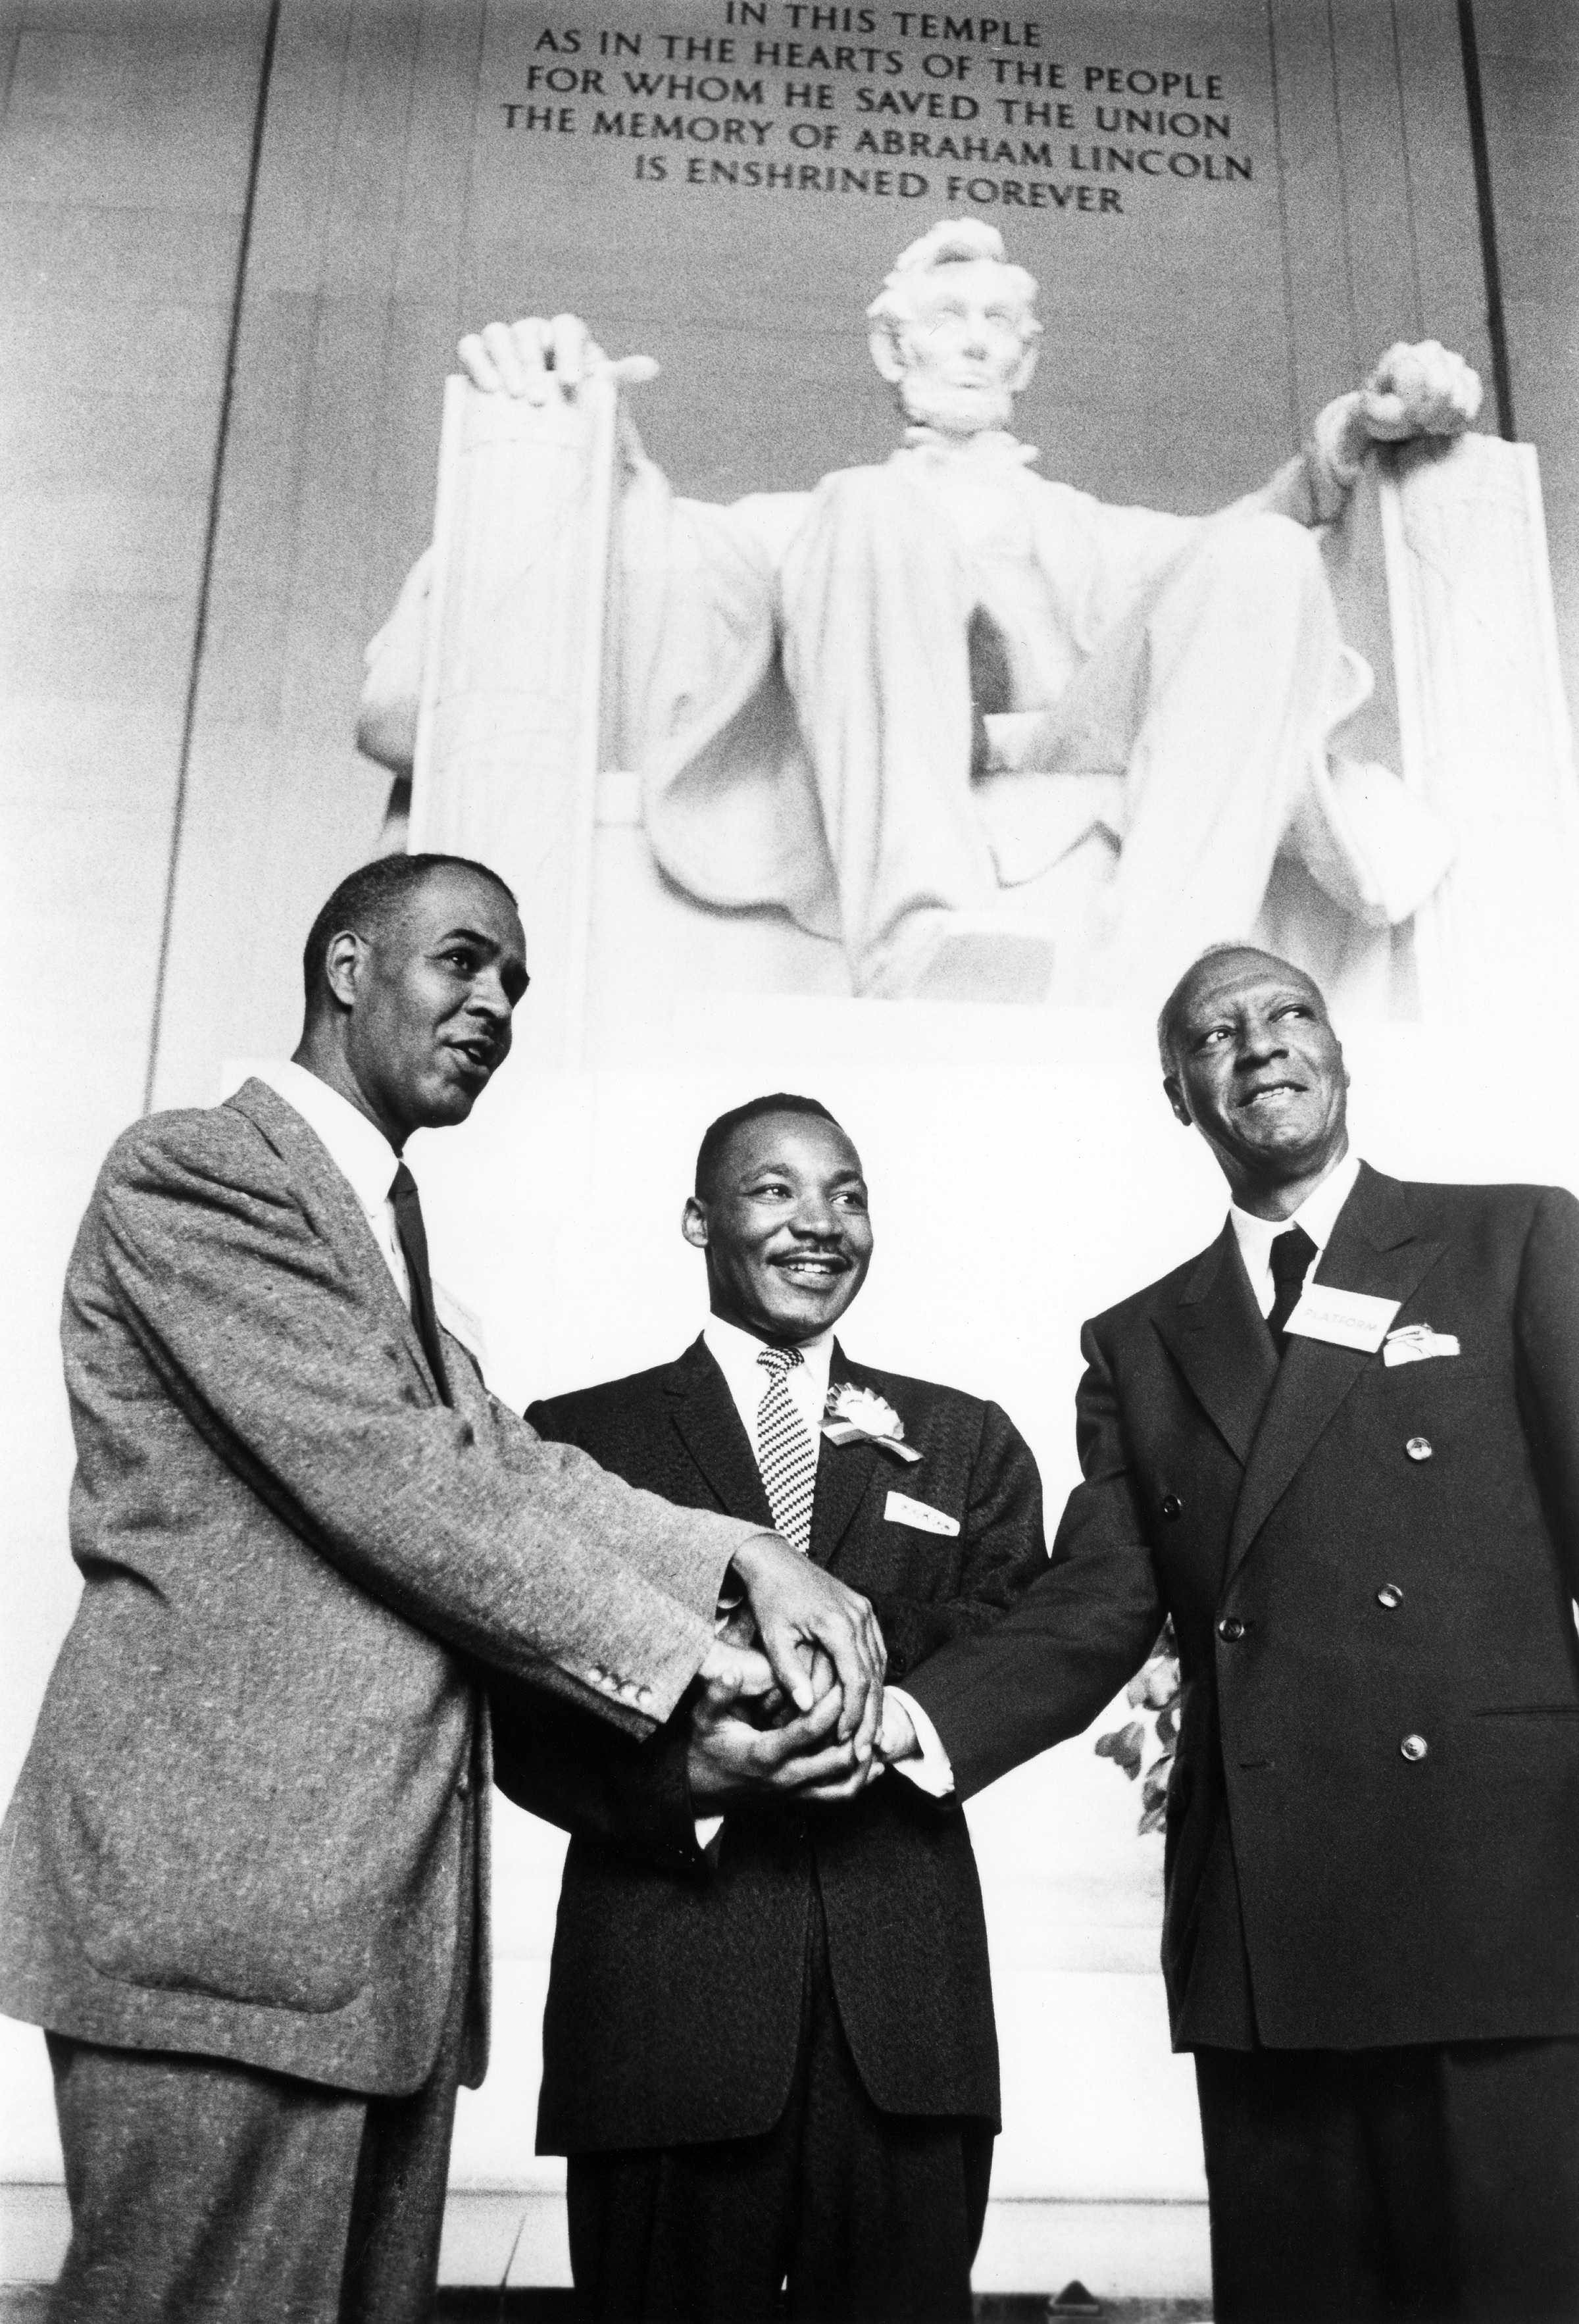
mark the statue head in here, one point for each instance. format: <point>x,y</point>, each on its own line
<point>954,329</point>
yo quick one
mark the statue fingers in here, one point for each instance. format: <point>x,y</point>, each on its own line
<point>1423,390</point>
<point>1456,394</point>
<point>532,345</point>
<point>498,371</point>
<point>571,354</point>
<point>478,364</point>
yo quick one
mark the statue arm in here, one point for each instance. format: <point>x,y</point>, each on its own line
<point>386,718</point>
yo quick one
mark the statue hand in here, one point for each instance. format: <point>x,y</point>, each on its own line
<point>543,362</point>
<point>1424,389</point>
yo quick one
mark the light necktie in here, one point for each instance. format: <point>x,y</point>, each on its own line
<point>786,1453</point>
<point>414,1240</point>
<point>1291,1254</point>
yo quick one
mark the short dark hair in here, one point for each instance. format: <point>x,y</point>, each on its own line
<point>718,1134</point>
<point>368,899</point>
<point>1170,1007</point>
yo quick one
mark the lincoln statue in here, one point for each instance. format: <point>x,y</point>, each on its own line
<point>889,705</point>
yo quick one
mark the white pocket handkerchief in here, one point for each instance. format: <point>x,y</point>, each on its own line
<point>1415,1342</point>
<point>899,1509</point>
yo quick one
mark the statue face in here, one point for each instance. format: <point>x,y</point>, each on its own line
<point>963,354</point>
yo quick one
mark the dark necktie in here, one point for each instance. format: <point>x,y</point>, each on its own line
<point>1292,1252</point>
<point>413,1242</point>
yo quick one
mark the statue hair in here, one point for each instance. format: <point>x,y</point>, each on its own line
<point>952,241</point>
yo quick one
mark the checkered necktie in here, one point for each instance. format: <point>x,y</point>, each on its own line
<point>786,1453</point>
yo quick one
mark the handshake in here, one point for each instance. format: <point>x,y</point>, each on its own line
<point>791,1704</point>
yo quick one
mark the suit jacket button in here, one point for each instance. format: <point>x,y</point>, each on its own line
<point>643,1698</point>
<point>1418,1448</point>
<point>1389,1595</point>
<point>1172,1506</point>
<point>1231,1629</point>
<point>1414,1748</point>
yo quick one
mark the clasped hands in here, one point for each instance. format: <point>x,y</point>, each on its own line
<point>801,1713</point>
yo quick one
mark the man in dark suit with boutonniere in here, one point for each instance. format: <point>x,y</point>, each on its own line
<point>768,2049</point>
<point>1341,1447</point>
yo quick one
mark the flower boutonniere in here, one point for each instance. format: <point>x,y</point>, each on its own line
<point>852,1413</point>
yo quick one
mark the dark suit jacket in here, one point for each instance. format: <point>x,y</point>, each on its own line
<point>241,1828</point>
<point>675,2002</point>
<point>1334,1596</point>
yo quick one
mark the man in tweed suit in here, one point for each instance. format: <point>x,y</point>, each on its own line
<point>242,1881</point>
<point>769,2048</point>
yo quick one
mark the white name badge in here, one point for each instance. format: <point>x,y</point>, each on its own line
<point>899,1509</point>
<point>1346,1319</point>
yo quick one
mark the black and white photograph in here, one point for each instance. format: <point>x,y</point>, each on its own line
<point>790,837</point>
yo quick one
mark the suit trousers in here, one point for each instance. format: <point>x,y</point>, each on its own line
<point>203,2191</point>
<point>839,2212</point>
<point>1422,2184</point>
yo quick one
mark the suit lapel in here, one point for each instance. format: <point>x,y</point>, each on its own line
<point>843,1471</point>
<point>1374,1249</point>
<point>1217,1335</point>
<point>706,1417</point>
<point>334,1208</point>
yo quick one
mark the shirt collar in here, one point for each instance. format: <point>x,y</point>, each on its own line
<point>735,1353</point>
<point>356,1146</point>
<point>1317,1214</point>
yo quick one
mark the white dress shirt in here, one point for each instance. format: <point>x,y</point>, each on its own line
<point>358,1150</point>
<point>736,1353</point>
<point>1317,1214</point>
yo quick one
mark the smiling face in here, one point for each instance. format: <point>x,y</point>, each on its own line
<point>964,347</point>
<point>786,1227</point>
<point>426,999</point>
<point>1258,1070</point>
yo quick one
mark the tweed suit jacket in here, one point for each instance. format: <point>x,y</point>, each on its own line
<point>1360,1560</point>
<point>675,2001</point>
<point>242,1824</point>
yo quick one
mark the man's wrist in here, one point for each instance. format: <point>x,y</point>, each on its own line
<point>752,1556</point>
<point>927,1763</point>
